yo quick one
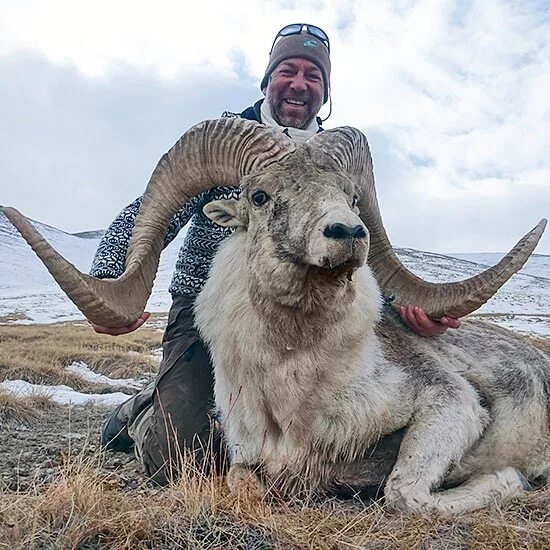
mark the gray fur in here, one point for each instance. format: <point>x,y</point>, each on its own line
<point>311,380</point>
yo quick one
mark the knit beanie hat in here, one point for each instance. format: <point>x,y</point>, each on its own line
<point>300,45</point>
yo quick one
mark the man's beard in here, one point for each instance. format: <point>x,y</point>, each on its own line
<point>277,104</point>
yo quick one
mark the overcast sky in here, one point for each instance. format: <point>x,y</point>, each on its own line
<point>453,96</point>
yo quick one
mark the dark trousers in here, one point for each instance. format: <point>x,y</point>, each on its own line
<point>173,417</point>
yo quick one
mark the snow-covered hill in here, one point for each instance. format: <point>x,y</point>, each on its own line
<point>537,265</point>
<point>29,294</point>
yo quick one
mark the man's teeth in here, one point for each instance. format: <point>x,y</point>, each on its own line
<point>294,102</point>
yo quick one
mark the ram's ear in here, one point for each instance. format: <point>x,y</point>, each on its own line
<point>227,213</point>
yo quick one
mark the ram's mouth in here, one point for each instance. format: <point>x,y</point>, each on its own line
<point>345,269</point>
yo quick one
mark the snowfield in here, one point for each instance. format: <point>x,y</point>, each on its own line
<point>28,294</point>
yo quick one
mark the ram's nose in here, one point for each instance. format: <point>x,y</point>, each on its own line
<point>343,231</point>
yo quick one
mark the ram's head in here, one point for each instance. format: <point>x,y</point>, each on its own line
<point>302,226</point>
<point>330,176</point>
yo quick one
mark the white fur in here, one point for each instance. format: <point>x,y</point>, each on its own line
<point>299,407</point>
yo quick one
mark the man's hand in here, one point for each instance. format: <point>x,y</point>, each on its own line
<point>121,330</point>
<point>417,320</point>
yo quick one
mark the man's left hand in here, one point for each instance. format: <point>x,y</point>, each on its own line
<point>417,320</point>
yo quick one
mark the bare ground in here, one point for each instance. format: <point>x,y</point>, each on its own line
<point>33,451</point>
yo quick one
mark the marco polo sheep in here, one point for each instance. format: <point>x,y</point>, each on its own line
<point>316,390</point>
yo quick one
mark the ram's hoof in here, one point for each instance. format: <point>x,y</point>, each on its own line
<point>242,480</point>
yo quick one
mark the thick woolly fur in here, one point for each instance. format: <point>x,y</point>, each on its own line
<point>312,375</point>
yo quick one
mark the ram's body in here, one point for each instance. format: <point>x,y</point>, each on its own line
<point>304,395</point>
<point>314,390</point>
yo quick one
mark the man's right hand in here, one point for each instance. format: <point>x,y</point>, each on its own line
<point>122,330</point>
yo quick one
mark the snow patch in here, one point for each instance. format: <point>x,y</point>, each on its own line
<point>528,325</point>
<point>81,369</point>
<point>64,395</point>
<point>157,354</point>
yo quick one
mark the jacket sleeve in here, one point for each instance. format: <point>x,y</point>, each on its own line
<point>110,257</point>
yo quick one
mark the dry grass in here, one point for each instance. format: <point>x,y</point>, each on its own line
<point>25,410</point>
<point>39,353</point>
<point>542,343</point>
<point>85,508</point>
<point>13,316</point>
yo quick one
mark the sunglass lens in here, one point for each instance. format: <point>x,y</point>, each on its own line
<point>290,29</point>
<point>319,33</point>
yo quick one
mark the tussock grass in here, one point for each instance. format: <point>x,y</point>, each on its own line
<point>39,353</point>
<point>542,343</point>
<point>13,316</point>
<point>84,507</point>
<point>15,409</point>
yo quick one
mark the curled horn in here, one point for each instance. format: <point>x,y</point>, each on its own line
<point>349,148</point>
<point>212,153</point>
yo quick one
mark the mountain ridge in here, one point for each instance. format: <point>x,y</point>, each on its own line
<point>29,294</point>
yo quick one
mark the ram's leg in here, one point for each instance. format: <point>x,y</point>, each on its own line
<point>481,491</point>
<point>446,423</point>
<point>242,479</point>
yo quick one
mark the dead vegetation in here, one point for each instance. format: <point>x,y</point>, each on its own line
<point>13,317</point>
<point>23,410</point>
<point>40,353</point>
<point>84,507</point>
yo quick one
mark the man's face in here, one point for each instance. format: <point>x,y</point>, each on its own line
<point>295,92</point>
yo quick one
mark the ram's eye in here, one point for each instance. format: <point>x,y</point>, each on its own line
<point>354,201</point>
<point>259,197</point>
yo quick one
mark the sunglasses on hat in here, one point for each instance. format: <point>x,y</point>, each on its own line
<point>297,28</point>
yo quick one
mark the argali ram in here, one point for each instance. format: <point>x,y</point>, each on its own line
<point>317,390</point>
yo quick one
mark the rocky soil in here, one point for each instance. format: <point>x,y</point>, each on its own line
<point>32,453</point>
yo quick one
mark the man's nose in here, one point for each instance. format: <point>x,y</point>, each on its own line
<point>298,83</point>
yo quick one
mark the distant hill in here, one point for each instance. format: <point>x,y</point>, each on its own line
<point>97,234</point>
<point>537,265</point>
<point>29,294</point>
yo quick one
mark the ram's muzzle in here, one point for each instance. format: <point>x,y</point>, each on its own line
<point>338,239</point>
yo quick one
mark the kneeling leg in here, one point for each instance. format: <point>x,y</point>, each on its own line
<point>446,425</point>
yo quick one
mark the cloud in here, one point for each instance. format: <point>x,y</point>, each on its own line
<point>459,92</point>
<point>75,150</point>
<point>453,96</point>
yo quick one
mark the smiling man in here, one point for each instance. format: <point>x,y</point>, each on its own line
<point>294,93</point>
<point>173,413</point>
<point>296,82</point>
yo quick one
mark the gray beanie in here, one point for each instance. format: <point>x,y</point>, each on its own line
<point>300,45</point>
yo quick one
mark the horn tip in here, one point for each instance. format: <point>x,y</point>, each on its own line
<point>538,230</point>
<point>12,214</point>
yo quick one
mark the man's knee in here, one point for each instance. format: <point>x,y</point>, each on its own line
<point>165,457</point>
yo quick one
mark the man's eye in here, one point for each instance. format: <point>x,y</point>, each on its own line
<point>259,197</point>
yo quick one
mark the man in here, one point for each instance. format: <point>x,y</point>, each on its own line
<point>173,413</point>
